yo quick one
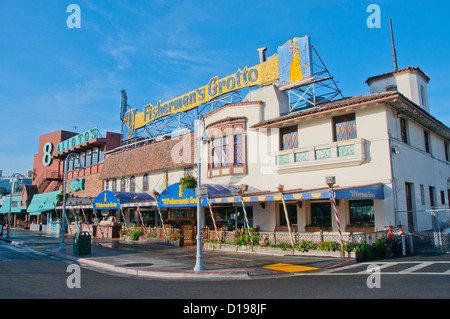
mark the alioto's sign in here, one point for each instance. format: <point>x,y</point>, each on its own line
<point>292,64</point>
<point>77,140</point>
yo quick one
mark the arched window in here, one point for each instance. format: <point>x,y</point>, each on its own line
<point>123,185</point>
<point>227,148</point>
<point>114,185</point>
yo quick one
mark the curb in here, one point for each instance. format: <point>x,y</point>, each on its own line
<point>149,273</point>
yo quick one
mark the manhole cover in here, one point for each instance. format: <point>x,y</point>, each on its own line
<point>138,265</point>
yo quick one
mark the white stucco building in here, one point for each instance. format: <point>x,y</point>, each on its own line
<point>387,153</point>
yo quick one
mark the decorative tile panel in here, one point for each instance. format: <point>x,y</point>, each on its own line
<point>282,159</point>
<point>301,157</point>
<point>323,153</point>
<point>346,150</point>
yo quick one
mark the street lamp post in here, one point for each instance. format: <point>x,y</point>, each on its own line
<point>331,180</point>
<point>199,266</point>
<point>63,217</point>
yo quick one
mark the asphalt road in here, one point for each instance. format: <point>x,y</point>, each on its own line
<point>28,274</point>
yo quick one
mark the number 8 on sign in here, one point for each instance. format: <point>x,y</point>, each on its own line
<point>47,159</point>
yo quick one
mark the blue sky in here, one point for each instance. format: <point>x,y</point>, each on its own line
<point>55,78</point>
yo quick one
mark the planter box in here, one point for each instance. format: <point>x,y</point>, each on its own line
<point>35,227</point>
<point>317,229</point>
<point>355,229</point>
<point>144,240</point>
<point>277,251</point>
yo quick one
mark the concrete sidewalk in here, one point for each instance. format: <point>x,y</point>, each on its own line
<point>163,261</point>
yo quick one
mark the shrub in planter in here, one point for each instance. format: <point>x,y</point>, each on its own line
<point>304,246</point>
<point>243,238</point>
<point>380,247</point>
<point>264,241</point>
<point>364,250</point>
<point>135,234</point>
<point>176,235</point>
<point>282,245</point>
<point>328,246</point>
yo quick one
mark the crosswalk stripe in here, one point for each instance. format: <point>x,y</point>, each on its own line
<point>416,267</point>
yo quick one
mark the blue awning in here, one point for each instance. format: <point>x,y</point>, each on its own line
<point>115,200</point>
<point>15,207</point>
<point>357,192</point>
<point>43,202</point>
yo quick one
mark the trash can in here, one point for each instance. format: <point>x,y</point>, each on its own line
<point>82,243</point>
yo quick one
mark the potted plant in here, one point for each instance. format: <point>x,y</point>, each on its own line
<point>187,182</point>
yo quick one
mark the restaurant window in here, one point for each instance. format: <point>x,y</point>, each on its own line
<point>227,148</point>
<point>241,216</point>
<point>292,214</point>
<point>220,151</point>
<point>145,185</point>
<point>432,191</point>
<point>442,198</point>
<point>422,194</point>
<point>101,154</point>
<point>344,127</point>
<point>70,164</point>
<point>362,213</point>
<point>123,185</point>
<point>403,130</point>
<point>114,185</point>
<point>106,185</point>
<point>132,184</point>
<point>426,137</point>
<point>288,137</point>
<point>95,156</point>
<point>321,214</point>
<point>83,159</point>
<point>88,158</point>
<point>446,150</point>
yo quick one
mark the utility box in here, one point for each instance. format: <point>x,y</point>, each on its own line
<point>82,244</point>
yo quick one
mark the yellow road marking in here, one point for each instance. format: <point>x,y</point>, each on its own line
<point>37,247</point>
<point>289,267</point>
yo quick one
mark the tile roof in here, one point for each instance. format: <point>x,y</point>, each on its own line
<point>148,158</point>
<point>406,107</point>
<point>398,72</point>
<point>355,100</point>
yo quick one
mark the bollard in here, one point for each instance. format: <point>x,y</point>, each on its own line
<point>403,245</point>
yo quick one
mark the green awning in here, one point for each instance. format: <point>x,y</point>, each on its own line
<point>15,207</point>
<point>43,202</point>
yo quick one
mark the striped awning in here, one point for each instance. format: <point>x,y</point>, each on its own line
<point>374,191</point>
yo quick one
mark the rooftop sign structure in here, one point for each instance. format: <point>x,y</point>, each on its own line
<point>291,67</point>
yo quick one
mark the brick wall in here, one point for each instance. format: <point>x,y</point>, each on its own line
<point>152,157</point>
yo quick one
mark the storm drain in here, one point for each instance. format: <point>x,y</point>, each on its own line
<point>137,265</point>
